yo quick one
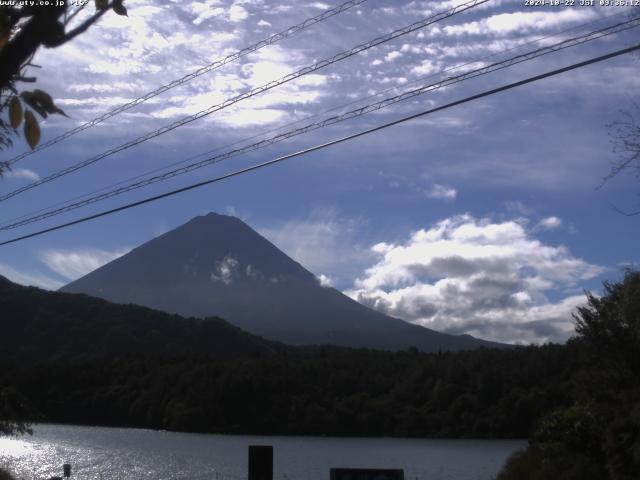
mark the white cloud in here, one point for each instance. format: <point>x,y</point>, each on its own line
<point>75,264</point>
<point>518,207</point>
<point>325,281</point>
<point>426,67</point>
<point>549,223</point>
<point>208,13</point>
<point>476,276</point>
<point>391,56</point>
<point>522,22</point>
<point>311,242</point>
<point>251,272</point>
<point>262,72</point>
<point>225,270</point>
<point>115,87</point>
<point>322,242</point>
<point>237,13</point>
<point>22,173</point>
<point>125,66</point>
<point>31,279</point>
<point>248,117</point>
<point>442,192</point>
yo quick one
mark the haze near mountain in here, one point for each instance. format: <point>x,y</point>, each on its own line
<point>216,265</point>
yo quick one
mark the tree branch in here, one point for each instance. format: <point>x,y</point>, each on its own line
<point>76,12</point>
<point>83,27</point>
<point>625,213</point>
<point>41,28</point>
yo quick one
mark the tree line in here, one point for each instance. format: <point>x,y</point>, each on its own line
<point>323,391</point>
<point>578,403</point>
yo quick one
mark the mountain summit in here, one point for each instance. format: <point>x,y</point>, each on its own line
<point>216,265</point>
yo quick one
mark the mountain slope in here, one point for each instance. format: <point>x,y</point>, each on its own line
<point>217,265</point>
<point>40,325</point>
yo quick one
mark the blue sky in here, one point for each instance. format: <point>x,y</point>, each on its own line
<point>489,218</point>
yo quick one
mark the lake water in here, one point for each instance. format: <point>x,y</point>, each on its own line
<point>122,453</point>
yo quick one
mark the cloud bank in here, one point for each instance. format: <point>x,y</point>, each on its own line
<point>477,276</point>
<point>75,264</point>
<point>35,279</point>
<point>315,242</point>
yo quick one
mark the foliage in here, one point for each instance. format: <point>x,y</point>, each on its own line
<point>624,134</point>
<point>84,360</point>
<point>576,427</point>
<point>610,325</point>
<point>13,411</point>
<point>600,431</point>
<point>534,463</point>
<point>579,403</point>
<point>622,441</point>
<point>319,391</point>
<point>4,475</point>
<point>45,326</point>
<point>23,30</point>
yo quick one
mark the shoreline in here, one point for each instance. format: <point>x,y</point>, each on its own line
<point>268,435</point>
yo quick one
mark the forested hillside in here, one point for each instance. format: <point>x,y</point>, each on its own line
<point>79,359</point>
<point>579,403</point>
<point>41,325</point>
<point>597,436</point>
<point>327,391</point>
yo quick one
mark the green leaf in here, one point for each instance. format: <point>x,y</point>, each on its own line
<point>31,129</point>
<point>15,112</point>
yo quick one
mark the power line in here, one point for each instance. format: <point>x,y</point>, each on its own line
<point>195,74</point>
<point>8,223</point>
<point>328,144</point>
<point>527,56</point>
<point>251,93</point>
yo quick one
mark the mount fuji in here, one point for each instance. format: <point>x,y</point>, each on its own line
<point>216,265</point>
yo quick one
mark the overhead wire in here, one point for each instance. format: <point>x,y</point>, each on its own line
<point>253,92</point>
<point>276,37</point>
<point>353,136</point>
<point>527,56</point>
<point>316,115</point>
<point>280,127</point>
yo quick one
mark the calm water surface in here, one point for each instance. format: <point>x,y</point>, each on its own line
<point>122,453</point>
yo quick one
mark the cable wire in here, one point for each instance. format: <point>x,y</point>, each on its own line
<point>328,144</point>
<point>251,93</point>
<point>195,74</point>
<point>572,42</point>
<point>316,115</point>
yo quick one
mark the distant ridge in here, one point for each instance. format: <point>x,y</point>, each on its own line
<point>39,325</point>
<point>216,265</point>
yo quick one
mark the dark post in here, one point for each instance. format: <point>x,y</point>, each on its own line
<point>260,462</point>
<point>66,470</point>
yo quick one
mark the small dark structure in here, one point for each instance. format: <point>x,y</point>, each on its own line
<point>260,462</point>
<point>366,474</point>
<point>66,471</point>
